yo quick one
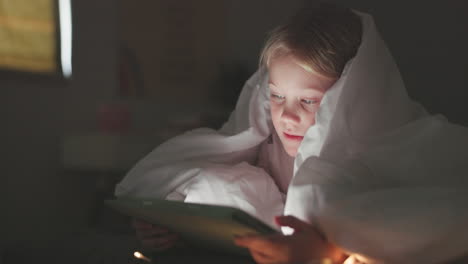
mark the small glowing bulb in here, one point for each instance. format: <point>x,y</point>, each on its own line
<point>287,231</point>
<point>138,255</point>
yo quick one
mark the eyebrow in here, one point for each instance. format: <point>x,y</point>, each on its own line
<point>310,88</point>
<point>316,89</point>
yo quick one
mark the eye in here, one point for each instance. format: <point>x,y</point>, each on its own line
<point>310,101</point>
<point>276,97</point>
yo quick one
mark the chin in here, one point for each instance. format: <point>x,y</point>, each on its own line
<point>290,149</point>
<point>291,152</point>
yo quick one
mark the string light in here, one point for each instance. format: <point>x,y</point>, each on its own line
<point>138,255</point>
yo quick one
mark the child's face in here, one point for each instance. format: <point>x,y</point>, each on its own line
<point>295,96</point>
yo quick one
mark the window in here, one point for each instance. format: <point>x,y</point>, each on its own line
<point>35,36</point>
<point>65,19</point>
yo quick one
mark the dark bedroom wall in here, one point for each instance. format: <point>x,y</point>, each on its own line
<point>428,39</point>
<point>39,201</point>
<point>248,23</point>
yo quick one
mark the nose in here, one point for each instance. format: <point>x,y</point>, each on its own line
<point>290,114</point>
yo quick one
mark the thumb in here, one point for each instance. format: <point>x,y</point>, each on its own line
<point>292,222</point>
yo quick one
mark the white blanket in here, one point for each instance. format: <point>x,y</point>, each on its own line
<point>237,186</point>
<point>382,179</point>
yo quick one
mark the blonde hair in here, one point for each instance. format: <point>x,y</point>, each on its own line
<point>321,38</point>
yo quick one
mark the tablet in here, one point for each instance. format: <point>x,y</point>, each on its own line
<point>209,226</point>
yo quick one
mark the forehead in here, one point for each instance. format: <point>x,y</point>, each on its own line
<point>286,72</point>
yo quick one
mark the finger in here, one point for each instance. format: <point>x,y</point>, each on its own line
<point>139,224</point>
<point>154,232</point>
<point>265,244</point>
<point>292,222</point>
<point>150,233</point>
<point>159,242</point>
<point>160,247</point>
<point>260,257</point>
<point>246,240</point>
<point>166,246</point>
<point>164,237</point>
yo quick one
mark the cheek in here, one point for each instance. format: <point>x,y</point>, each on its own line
<point>309,120</point>
<point>275,113</point>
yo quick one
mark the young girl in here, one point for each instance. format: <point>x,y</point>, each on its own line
<point>326,120</point>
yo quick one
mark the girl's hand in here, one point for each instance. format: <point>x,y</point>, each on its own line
<point>154,238</point>
<point>304,245</point>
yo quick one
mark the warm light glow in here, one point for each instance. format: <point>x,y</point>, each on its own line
<point>138,255</point>
<point>287,231</point>
<point>321,261</point>
<point>65,17</point>
<point>350,260</point>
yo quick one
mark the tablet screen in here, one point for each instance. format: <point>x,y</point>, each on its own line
<point>209,226</point>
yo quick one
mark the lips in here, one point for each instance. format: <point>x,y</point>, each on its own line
<point>293,137</point>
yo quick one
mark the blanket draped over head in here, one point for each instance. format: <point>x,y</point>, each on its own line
<point>378,175</point>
